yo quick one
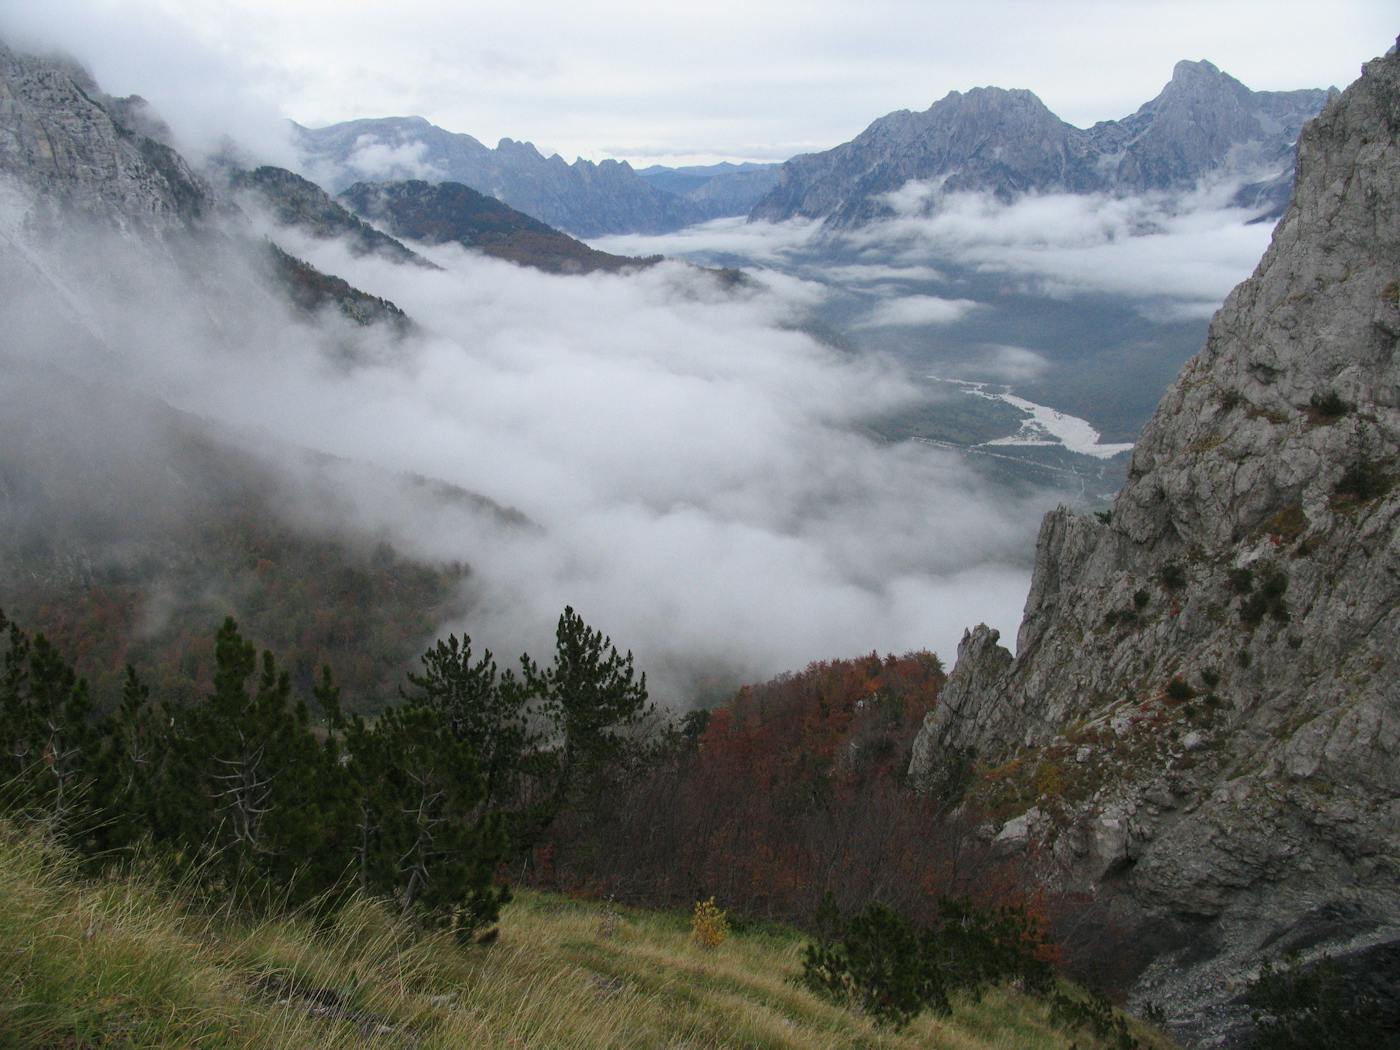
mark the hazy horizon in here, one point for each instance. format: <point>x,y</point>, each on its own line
<point>669,85</point>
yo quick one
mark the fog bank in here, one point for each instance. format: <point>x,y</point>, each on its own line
<point>693,465</point>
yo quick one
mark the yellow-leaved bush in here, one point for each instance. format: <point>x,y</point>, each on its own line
<point>709,926</point>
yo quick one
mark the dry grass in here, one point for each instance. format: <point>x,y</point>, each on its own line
<point>116,963</point>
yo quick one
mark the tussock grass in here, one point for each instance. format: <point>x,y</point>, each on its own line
<point>120,963</point>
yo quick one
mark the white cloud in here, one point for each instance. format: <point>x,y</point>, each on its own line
<point>1180,254</point>
<point>377,160</point>
<point>761,242</point>
<point>879,274</point>
<point>1006,364</point>
<point>694,465</point>
<point>916,310</point>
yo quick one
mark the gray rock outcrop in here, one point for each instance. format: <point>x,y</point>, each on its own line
<point>1204,123</point>
<point>95,202</point>
<point>89,154</point>
<point>1204,705</point>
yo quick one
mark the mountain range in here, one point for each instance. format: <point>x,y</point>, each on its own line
<point>584,198</point>
<point>428,213</point>
<point>1204,124</point>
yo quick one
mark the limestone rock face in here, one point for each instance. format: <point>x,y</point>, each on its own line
<point>1213,675</point>
<point>90,154</point>
<point>95,202</point>
<point>1204,123</point>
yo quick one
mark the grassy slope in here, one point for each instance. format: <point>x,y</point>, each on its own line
<point>114,963</point>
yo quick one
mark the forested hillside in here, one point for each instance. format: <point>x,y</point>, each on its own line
<point>307,829</point>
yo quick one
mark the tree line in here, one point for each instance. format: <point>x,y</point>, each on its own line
<point>244,791</point>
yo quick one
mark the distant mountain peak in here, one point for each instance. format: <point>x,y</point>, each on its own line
<point>1187,69</point>
<point>563,195</point>
<point>1008,142</point>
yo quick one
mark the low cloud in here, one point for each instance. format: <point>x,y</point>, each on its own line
<point>1178,254</point>
<point>858,274</point>
<point>693,466</point>
<point>761,242</point>
<point>915,311</point>
<point>1006,364</point>
<point>377,160</point>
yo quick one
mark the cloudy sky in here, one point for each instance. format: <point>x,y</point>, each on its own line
<point>656,82</point>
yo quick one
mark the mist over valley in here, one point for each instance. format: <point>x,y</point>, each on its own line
<point>765,458</point>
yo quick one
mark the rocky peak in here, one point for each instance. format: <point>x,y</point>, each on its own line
<point>1203,124</point>
<point>1206,121</point>
<point>1208,679</point>
<point>1193,76</point>
<point>524,149</point>
<point>84,152</point>
<point>994,139</point>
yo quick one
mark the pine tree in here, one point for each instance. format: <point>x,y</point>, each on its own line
<point>593,696</point>
<point>254,779</point>
<point>129,770</point>
<point>423,838</point>
<point>484,709</point>
<point>48,736</point>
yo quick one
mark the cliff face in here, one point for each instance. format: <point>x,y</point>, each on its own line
<point>91,154</point>
<point>1008,143</point>
<point>1203,715</point>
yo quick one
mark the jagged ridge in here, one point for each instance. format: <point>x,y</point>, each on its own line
<point>1008,143</point>
<point>585,198</point>
<point>1202,714</point>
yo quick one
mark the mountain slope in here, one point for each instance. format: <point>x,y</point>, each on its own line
<point>587,199</point>
<point>1202,719</point>
<point>128,529</point>
<point>85,177</point>
<point>563,974</point>
<point>717,190</point>
<point>295,201</point>
<point>1008,143</point>
<point>450,212</point>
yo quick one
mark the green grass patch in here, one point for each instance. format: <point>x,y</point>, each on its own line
<point>123,962</point>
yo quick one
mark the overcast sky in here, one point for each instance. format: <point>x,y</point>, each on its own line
<point>669,82</point>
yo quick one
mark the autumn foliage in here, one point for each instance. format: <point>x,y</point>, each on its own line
<point>794,788</point>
